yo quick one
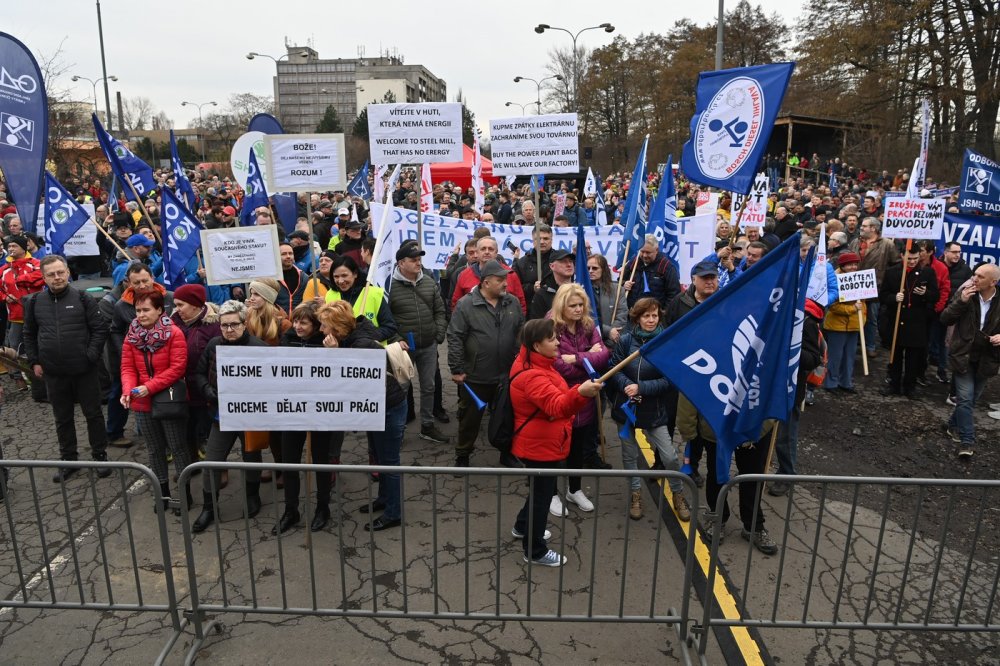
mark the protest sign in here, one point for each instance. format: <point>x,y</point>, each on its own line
<point>535,144</point>
<point>81,244</point>
<point>290,388</point>
<point>857,286</point>
<point>755,212</point>
<point>415,133</point>
<point>305,162</point>
<point>978,235</point>
<point>980,184</point>
<point>241,254</point>
<point>906,217</point>
<point>239,157</point>
<point>707,202</point>
<point>696,236</point>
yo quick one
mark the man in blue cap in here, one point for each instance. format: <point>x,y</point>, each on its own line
<point>139,247</point>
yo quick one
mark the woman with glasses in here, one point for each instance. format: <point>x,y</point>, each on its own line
<point>612,319</point>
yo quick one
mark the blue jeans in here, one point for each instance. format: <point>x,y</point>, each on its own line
<point>871,327</point>
<point>841,347</point>
<point>937,349</point>
<point>659,437</point>
<point>968,388</point>
<point>387,445</point>
<point>787,444</point>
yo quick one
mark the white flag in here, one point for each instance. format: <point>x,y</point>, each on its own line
<point>384,257</point>
<point>379,191</point>
<point>590,186</point>
<point>510,181</point>
<point>477,174</point>
<point>390,187</point>
<point>817,289</point>
<point>426,189</point>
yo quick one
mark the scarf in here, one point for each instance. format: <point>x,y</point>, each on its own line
<point>149,339</point>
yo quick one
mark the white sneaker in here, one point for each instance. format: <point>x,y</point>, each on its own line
<point>995,415</point>
<point>549,559</point>
<point>995,405</point>
<point>581,501</point>
<point>520,535</point>
<point>556,507</point>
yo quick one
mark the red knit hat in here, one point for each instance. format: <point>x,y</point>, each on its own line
<point>192,294</point>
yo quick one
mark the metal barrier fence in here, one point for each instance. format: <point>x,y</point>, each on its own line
<point>72,546</point>
<point>864,557</point>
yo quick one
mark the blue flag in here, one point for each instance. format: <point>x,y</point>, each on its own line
<point>183,187</point>
<point>736,356</point>
<point>979,236</point>
<point>634,215</point>
<point>735,111</point>
<point>63,216</point>
<point>181,238</point>
<point>359,187</point>
<point>663,216</point>
<point>583,275</point>
<point>126,167</point>
<point>833,183</point>
<point>980,184</point>
<point>256,195</point>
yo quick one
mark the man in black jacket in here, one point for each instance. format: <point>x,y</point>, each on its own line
<point>64,334</point>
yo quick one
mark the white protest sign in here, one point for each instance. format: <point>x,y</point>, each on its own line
<point>696,237</point>
<point>415,133</point>
<point>755,212</point>
<point>305,162</point>
<point>239,156</point>
<point>535,144</point>
<point>81,244</point>
<point>295,388</point>
<point>857,286</point>
<point>707,202</point>
<point>913,218</point>
<point>241,254</point>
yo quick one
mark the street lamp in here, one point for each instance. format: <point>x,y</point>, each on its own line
<point>93,84</point>
<point>523,106</point>
<point>302,56</point>
<point>606,27</point>
<point>538,87</point>
<point>201,124</point>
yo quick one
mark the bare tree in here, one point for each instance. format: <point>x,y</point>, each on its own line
<point>244,106</point>
<point>137,112</point>
<point>160,121</point>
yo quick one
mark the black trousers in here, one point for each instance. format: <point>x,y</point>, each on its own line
<point>292,444</point>
<point>908,364</point>
<point>536,506</point>
<point>84,389</point>
<point>750,459</point>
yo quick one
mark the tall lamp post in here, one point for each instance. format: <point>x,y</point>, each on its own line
<point>538,87</point>
<point>93,84</point>
<point>302,56</point>
<point>523,106</point>
<point>606,27</point>
<point>201,124</point>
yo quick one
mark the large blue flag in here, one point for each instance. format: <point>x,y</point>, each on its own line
<point>183,187</point>
<point>181,238</point>
<point>63,216</point>
<point>663,216</point>
<point>255,196</point>
<point>583,275</point>
<point>126,167</point>
<point>980,184</point>
<point>736,356</point>
<point>634,215</point>
<point>359,187</point>
<point>735,111</point>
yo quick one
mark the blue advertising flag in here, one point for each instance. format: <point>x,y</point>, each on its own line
<point>181,238</point>
<point>266,123</point>
<point>125,165</point>
<point>979,236</point>
<point>634,215</point>
<point>359,187</point>
<point>24,126</point>
<point>833,183</point>
<point>735,111</point>
<point>583,274</point>
<point>256,195</point>
<point>183,189</point>
<point>63,216</point>
<point>736,356</point>
<point>980,184</point>
<point>663,216</point>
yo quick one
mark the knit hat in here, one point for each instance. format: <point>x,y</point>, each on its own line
<point>192,294</point>
<point>264,291</point>
<point>19,239</point>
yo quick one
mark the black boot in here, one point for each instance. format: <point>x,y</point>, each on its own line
<point>253,499</point>
<point>289,519</point>
<point>207,515</point>
<point>102,472</point>
<point>165,493</point>
<point>64,473</point>
<point>321,518</point>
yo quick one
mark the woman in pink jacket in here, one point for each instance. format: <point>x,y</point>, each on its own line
<point>579,340</point>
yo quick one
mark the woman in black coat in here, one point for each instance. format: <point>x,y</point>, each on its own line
<point>916,305</point>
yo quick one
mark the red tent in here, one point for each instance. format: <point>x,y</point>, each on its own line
<point>460,173</point>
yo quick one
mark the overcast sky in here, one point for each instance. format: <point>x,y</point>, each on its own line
<point>176,50</point>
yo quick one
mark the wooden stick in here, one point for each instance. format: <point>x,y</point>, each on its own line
<point>145,212</point>
<point>600,428</point>
<point>621,270</point>
<point>625,361</point>
<point>899,305</point>
<point>735,228</point>
<point>770,448</point>
<point>110,238</point>
<point>864,348</point>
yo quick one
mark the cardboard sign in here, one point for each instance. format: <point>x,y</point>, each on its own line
<point>914,218</point>
<point>81,244</point>
<point>755,213</point>
<point>856,286</point>
<point>295,388</point>
<point>696,237</point>
<point>241,254</point>
<point>305,162</point>
<point>535,144</point>
<point>415,133</point>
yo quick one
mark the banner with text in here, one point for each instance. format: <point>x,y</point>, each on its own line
<point>696,237</point>
<point>857,286</point>
<point>81,244</point>
<point>906,217</point>
<point>289,388</point>
<point>980,184</point>
<point>241,254</point>
<point>535,145</point>
<point>978,235</point>
<point>415,133</point>
<point>305,162</point>
<point>755,212</point>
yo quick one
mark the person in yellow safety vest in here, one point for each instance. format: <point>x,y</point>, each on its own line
<point>367,300</point>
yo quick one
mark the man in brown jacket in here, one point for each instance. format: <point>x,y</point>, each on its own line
<point>878,253</point>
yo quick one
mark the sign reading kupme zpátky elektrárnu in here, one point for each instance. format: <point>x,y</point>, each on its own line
<point>913,218</point>
<point>857,286</point>
<point>535,144</point>
<point>305,162</point>
<point>288,388</point>
<point>415,133</point>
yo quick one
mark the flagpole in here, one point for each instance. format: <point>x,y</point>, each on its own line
<point>864,348</point>
<point>110,238</point>
<point>538,219</point>
<point>624,362</point>
<point>621,274</point>
<point>770,448</point>
<point>420,212</point>
<point>145,212</point>
<point>736,227</point>
<point>899,305</point>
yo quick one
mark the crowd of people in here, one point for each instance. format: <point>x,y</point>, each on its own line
<point>149,353</point>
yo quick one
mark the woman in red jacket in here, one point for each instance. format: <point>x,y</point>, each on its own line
<point>544,407</point>
<point>154,356</point>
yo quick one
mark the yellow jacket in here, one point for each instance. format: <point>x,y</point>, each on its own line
<point>843,317</point>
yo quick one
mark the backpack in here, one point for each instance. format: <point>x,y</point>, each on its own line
<point>818,374</point>
<point>500,430</point>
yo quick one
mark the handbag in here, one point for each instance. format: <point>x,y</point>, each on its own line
<point>171,402</point>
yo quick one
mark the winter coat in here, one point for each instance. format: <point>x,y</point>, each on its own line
<point>579,344</point>
<point>692,425</point>
<point>542,395</point>
<point>606,305</point>
<point>541,302</point>
<point>418,308</point>
<point>576,215</point>
<point>293,284</point>
<point>661,276</point>
<point>958,273</point>
<point>843,317</point>
<point>198,333</point>
<point>916,310</point>
<point>969,343</point>
<point>124,312</point>
<point>204,377</point>
<point>64,332</point>
<point>526,269</point>
<point>169,364</point>
<point>291,339</point>
<point>482,340</point>
<point>19,278</point>
<point>943,283</point>
<point>879,254</point>
<point>469,279</point>
<point>651,411</point>
<point>374,307</point>
<point>680,306</point>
